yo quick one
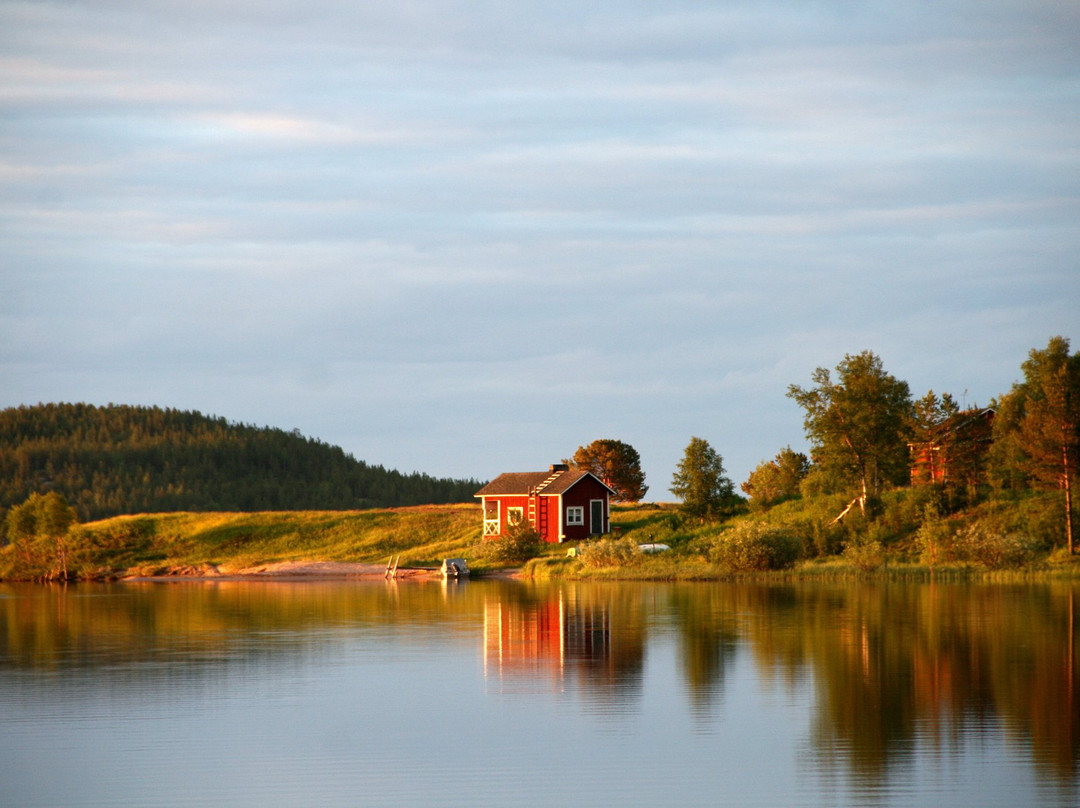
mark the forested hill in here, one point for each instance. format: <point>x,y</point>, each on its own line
<point>115,460</point>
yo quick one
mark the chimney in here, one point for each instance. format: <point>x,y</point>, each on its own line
<point>558,467</point>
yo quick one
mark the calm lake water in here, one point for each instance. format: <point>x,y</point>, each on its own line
<point>508,693</point>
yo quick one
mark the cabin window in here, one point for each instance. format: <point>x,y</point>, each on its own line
<point>575,515</point>
<point>492,527</point>
<point>515,516</point>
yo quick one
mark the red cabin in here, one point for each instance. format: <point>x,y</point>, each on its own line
<point>560,503</point>
<point>956,453</point>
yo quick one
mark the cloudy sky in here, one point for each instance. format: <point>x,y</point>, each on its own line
<point>467,237</point>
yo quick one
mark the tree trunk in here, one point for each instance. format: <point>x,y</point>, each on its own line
<point>1068,510</point>
<point>844,512</point>
<point>1066,480</point>
<point>61,557</point>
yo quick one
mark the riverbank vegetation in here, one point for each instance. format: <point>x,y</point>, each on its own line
<point>907,539</point>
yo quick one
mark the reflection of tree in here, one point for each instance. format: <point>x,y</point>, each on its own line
<point>185,623</point>
<point>708,638</point>
<point>898,666</point>
<point>865,671</point>
<point>1037,691</point>
<point>606,639</point>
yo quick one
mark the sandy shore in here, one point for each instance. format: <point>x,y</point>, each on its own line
<point>302,570</point>
<point>322,569</point>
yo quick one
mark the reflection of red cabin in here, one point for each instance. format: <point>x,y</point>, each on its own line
<point>555,635</point>
<point>955,454</point>
<point>560,503</point>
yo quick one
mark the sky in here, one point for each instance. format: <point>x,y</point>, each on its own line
<point>467,237</point>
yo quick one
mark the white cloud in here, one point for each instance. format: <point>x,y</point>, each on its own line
<point>407,228</point>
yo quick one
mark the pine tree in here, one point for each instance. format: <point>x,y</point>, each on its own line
<point>1037,432</point>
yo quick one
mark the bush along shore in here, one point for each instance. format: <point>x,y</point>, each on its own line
<point>907,536</point>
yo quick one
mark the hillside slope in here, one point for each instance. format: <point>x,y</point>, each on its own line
<point>117,459</point>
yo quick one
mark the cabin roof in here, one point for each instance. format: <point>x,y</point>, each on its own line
<point>959,422</point>
<point>523,483</point>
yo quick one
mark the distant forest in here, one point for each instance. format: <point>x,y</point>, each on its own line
<point>113,460</point>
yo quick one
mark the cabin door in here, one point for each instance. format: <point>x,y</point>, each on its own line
<point>596,517</point>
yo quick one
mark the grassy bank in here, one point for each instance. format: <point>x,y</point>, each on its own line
<point>153,544</point>
<point>1017,542</point>
<point>156,544</point>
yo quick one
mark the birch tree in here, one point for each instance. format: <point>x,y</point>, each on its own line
<point>39,532</point>
<point>857,425</point>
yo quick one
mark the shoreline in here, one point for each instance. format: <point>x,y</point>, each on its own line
<point>305,571</point>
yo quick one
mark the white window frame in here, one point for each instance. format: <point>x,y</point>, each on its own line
<point>575,516</point>
<point>515,515</point>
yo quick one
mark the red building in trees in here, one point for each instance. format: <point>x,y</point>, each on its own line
<point>956,453</point>
<point>559,503</point>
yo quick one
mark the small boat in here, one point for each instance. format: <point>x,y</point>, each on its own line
<point>454,568</point>
<point>653,547</point>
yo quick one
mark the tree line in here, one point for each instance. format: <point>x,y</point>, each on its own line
<point>119,459</point>
<point>869,435</point>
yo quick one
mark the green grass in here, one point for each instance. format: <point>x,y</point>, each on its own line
<point>153,543</point>
<point>687,559</point>
<point>423,536</point>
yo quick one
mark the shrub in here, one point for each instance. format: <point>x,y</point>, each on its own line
<point>1042,519</point>
<point>811,521</point>
<point>983,544</point>
<point>866,555</point>
<point>932,539</point>
<point>608,553</point>
<point>754,546</point>
<point>520,543</point>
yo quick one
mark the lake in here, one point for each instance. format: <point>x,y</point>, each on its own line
<point>499,693</point>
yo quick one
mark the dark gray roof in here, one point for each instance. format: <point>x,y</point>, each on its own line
<point>524,483</point>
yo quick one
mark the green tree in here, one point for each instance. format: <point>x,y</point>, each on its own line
<point>701,484</point>
<point>38,530</point>
<point>778,479</point>
<point>1037,431</point>
<point>617,464</point>
<point>858,425</point>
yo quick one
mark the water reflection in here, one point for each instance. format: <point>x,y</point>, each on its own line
<point>567,636</point>
<point>891,671</point>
